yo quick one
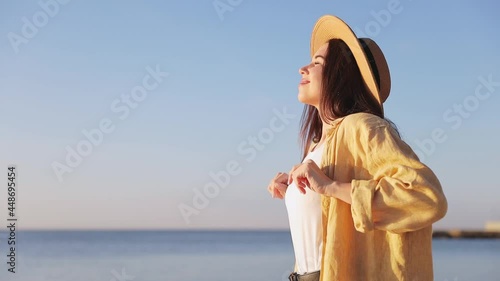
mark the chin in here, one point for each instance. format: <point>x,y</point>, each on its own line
<point>304,99</point>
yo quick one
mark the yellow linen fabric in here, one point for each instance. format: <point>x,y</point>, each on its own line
<point>386,233</point>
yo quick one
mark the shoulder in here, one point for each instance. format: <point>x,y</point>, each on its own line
<point>361,122</point>
<point>361,129</point>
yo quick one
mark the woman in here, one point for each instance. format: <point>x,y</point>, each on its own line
<point>361,205</point>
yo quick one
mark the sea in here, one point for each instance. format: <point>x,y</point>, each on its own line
<point>198,256</point>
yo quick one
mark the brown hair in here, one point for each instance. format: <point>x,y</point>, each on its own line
<point>343,93</point>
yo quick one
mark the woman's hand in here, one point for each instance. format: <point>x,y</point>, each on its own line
<point>309,175</point>
<point>278,185</point>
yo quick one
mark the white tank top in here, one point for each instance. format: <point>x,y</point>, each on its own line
<point>304,215</point>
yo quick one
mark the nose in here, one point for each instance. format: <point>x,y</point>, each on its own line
<point>303,70</point>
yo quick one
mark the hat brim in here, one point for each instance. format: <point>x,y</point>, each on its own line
<point>330,27</point>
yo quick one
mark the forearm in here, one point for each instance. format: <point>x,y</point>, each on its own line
<point>339,190</point>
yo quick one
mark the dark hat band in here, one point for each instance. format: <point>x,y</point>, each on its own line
<point>371,60</point>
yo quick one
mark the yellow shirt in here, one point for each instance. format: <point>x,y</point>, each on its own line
<point>386,233</point>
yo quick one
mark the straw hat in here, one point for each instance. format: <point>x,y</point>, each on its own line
<point>367,53</point>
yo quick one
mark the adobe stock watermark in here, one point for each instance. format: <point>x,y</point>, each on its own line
<point>117,276</point>
<point>121,107</point>
<point>223,6</point>
<point>31,26</point>
<point>381,19</point>
<point>249,149</point>
<point>455,115</point>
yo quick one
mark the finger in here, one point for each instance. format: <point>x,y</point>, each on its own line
<point>282,191</point>
<point>290,178</point>
<point>301,189</point>
<point>303,182</point>
<point>270,190</point>
<point>300,179</point>
<point>306,183</point>
<point>303,185</point>
<point>294,168</point>
<point>283,178</point>
<point>270,187</point>
<point>280,186</point>
<point>297,181</point>
<point>278,189</point>
<point>276,193</point>
<point>280,194</point>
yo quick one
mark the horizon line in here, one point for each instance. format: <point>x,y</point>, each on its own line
<point>200,229</point>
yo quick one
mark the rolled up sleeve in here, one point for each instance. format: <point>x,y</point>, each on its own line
<point>393,190</point>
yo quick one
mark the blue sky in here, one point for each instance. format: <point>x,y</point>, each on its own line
<point>225,77</point>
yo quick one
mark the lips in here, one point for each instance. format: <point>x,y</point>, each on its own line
<point>304,81</point>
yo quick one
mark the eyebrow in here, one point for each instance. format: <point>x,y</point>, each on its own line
<point>319,56</point>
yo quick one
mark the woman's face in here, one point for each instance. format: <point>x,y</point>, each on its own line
<point>310,85</point>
